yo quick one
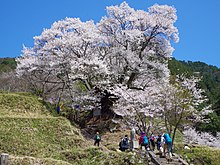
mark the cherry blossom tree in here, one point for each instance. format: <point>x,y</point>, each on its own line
<point>63,54</point>
<point>125,54</point>
<point>179,102</point>
<point>137,49</point>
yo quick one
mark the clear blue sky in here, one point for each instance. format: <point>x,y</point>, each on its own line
<point>198,23</point>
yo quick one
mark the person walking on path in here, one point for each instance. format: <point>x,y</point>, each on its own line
<point>143,141</point>
<point>152,142</point>
<point>97,139</point>
<point>168,144</point>
<point>158,142</point>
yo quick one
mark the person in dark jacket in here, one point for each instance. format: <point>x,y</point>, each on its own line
<point>97,139</point>
<point>152,142</point>
<point>124,143</point>
<point>158,142</point>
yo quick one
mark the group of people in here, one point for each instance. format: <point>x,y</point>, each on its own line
<point>162,142</point>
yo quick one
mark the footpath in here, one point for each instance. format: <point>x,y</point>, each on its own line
<point>157,159</point>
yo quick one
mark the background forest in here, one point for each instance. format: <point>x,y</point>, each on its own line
<point>210,82</point>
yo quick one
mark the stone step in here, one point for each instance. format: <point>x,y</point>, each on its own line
<point>162,160</point>
<point>155,157</point>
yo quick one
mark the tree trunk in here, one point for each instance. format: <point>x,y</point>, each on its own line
<point>174,133</point>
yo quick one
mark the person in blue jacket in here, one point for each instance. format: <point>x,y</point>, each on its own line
<point>168,142</point>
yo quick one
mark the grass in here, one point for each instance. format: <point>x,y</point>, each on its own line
<point>31,134</point>
<point>40,137</point>
<point>199,155</point>
<point>27,160</point>
<point>21,104</point>
<point>28,130</point>
<point>96,156</point>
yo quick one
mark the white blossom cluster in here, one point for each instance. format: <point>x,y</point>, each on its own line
<point>181,95</point>
<point>128,49</point>
<point>203,138</point>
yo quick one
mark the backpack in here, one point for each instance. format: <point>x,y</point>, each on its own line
<point>97,137</point>
<point>167,138</point>
<point>152,138</point>
<point>145,140</point>
<point>125,142</point>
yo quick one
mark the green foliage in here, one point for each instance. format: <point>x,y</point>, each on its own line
<point>7,64</point>
<point>179,67</point>
<point>210,82</point>
<point>213,126</point>
<point>80,86</point>
<point>210,76</point>
<point>216,106</point>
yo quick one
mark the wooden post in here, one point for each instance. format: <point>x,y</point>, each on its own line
<point>4,159</point>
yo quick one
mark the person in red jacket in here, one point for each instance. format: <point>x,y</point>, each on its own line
<point>143,141</point>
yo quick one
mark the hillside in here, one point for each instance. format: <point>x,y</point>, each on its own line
<point>210,82</point>
<point>30,134</point>
<point>7,64</point>
<point>27,129</point>
<point>210,76</point>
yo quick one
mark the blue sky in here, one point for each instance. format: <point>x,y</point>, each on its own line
<point>198,23</point>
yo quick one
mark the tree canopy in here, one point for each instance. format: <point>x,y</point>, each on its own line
<point>122,58</point>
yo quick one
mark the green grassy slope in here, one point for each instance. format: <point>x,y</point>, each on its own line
<point>39,137</point>
<point>27,129</point>
<point>31,135</point>
<point>21,104</point>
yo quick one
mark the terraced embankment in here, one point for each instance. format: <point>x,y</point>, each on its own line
<point>28,133</point>
<point>31,135</point>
